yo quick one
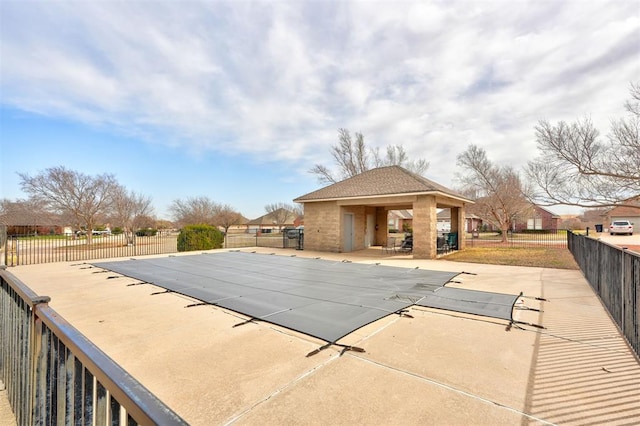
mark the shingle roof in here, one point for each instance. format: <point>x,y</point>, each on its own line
<point>390,180</point>
<point>271,218</point>
<point>553,215</point>
<point>402,214</point>
<point>445,214</point>
<point>627,210</point>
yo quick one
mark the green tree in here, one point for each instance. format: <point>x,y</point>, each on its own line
<point>199,237</point>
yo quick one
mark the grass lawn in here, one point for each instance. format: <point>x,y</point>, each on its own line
<point>543,257</point>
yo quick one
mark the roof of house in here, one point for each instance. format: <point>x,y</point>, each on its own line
<point>627,210</point>
<point>26,217</point>
<point>271,219</point>
<point>445,214</point>
<point>402,214</point>
<point>390,180</point>
<point>553,215</point>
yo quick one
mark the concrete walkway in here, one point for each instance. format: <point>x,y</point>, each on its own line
<point>435,367</point>
<point>6,415</point>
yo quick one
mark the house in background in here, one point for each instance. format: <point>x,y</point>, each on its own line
<point>471,221</point>
<point>632,214</point>
<point>533,218</point>
<point>239,228</point>
<point>23,218</point>
<point>537,218</point>
<point>272,222</point>
<point>398,220</point>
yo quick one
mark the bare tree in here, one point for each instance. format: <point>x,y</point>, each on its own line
<point>195,211</point>
<point>397,156</point>
<point>26,212</point>
<point>498,191</point>
<point>298,209</point>
<point>281,213</point>
<point>353,157</point>
<point>144,221</point>
<point>128,208</point>
<point>575,168</point>
<point>65,191</point>
<point>227,217</point>
<point>164,225</point>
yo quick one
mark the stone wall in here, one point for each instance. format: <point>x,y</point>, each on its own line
<point>322,221</point>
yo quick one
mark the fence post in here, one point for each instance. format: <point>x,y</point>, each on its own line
<point>3,244</point>
<point>622,299</point>
<point>36,378</point>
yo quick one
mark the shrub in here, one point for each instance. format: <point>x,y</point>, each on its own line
<point>117,230</point>
<point>535,231</point>
<point>199,237</point>
<point>146,232</point>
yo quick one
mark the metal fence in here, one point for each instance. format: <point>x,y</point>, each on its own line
<point>27,248</point>
<point>291,239</point>
<point>54,375</point>
<point>23,246</point>
<point>614,274</point>
<point>554,238</point>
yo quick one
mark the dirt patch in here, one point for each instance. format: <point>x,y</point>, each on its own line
<point>633,248</point>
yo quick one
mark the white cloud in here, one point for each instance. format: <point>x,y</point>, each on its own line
<point>280,79</point>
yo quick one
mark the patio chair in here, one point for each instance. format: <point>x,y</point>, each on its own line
<point>407,244</point>
<point>441,245</point>
<point>390,247</point>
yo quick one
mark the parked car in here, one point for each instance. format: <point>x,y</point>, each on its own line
<point>93,232</point>
<point>621,227</point>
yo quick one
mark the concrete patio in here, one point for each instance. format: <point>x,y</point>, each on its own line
<point>437,367</point>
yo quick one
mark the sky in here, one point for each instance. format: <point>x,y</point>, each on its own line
<point>237,100</point>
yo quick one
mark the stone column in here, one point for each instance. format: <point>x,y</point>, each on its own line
<point>381,226</point>
<point>457,225</point>
<point>462,229</point>
<point>424,227</point>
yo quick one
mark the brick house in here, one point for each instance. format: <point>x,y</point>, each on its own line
<point>352,214</point>
<point>471,221</point>
<point>399,220</point>
<point>630,213</point>
<point>271,222</point>
<point>537,218</point>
